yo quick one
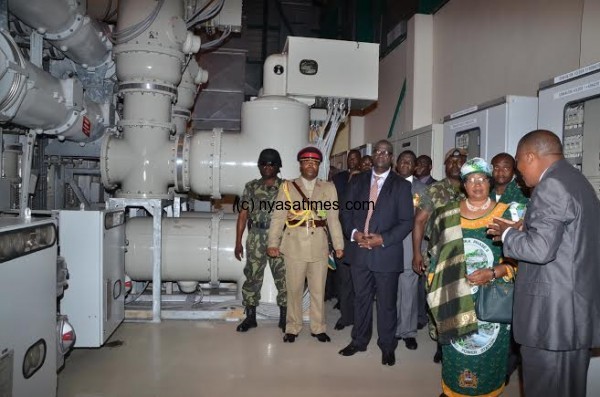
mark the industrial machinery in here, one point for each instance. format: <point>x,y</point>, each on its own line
<point>570,107</point>
<point>92,243</point>
<point>95,104</point>
<point>492,127</point>
<point>425,140</point>
<point>28,335</point>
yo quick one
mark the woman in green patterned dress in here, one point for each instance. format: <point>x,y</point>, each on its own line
<point>463,258</point>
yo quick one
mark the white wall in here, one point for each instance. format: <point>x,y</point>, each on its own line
<point>411,60</point>
<point>487,49</point>
<point>392,72</point>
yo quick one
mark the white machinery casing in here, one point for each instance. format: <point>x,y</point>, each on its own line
<point>93,245</point>
<point>491,128</point>
<point>30,280</point>
<point>426,140</point>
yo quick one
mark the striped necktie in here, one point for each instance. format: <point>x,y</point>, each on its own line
<point>373,193</point>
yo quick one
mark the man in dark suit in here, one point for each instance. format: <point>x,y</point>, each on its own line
<point>376,231</point>
<point>343,276</point>
<point>423,169</point>
<point>408,283</point>
<point>556,315</point>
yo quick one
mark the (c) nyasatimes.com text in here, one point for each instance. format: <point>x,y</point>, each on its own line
<point>270,206</point>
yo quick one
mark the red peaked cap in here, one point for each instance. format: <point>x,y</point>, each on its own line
<point>310,152</point>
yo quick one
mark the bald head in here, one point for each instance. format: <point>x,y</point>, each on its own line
<point>541,142</point>
<point>537,151</point>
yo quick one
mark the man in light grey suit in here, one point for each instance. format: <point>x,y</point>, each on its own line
<point>556,314</point>
<point>407,303</point>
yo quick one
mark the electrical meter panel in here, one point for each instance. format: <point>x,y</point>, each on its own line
<point>569,106</point>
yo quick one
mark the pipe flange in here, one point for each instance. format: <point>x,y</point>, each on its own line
<point>169,127</point>
<point>66,125</point>
<point>104,168</point>
<point>182,156</point>
<point>75,26</point>
<point>15,66</point>
<point>153,87</point>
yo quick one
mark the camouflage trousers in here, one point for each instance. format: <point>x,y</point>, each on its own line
<point>256,260</point>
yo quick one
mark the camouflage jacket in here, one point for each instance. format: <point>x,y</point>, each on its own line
<point>438,195</point>
<point>258,199</point>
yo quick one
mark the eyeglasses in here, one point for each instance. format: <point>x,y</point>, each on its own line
<point>380,152</point>
<point>479,180</point>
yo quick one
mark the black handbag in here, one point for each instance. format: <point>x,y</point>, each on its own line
<point>495,302</point>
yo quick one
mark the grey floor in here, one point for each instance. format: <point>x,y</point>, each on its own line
<point>209,358</point>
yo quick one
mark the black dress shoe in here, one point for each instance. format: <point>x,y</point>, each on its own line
<point>411,343</point>
<point>289,338</point>
<point>339,326</point>
<point>322,337</point>
<point>351,350</point>
<point>437,357</point>
<point>388,358</point>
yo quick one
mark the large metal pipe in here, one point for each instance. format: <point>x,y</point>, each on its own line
<point>223,163</point>
<point>141,162</point>
<point>65,25</point>
<point>33,98</point>
<point>196,248</point>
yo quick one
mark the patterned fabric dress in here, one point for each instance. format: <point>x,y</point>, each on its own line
<point>475,365</point>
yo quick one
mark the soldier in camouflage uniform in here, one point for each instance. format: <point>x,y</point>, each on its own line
<point>437,195</point>
<point>257,199</point>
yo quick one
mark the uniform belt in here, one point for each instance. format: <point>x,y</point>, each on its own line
<point>258,225</point>
<point>316,223</point>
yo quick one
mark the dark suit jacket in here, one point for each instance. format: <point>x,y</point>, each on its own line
<point>557,298</point>
<point>392,218</point>
<point>340,180</point>
<point>430,181</point>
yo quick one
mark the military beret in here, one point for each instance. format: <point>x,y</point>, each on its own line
<point>310,153</point>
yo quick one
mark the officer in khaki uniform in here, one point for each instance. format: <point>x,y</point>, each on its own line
<point>298,233</point>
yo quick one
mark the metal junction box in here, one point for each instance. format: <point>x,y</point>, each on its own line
<point>333,68</point>
<point>492,127</point>
<point>93,245</point>
<point>28,333</point>
<point>570,107</point>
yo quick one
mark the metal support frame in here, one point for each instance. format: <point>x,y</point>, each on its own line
<point>26,160</point>
<point>154,207</point>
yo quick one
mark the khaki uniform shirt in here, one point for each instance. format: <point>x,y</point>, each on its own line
<point>305,242</point>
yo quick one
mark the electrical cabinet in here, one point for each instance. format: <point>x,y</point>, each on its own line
<point>28,336</point>
<point>570,107</point>
<point>93,245</point>
<point>492,127</point>
<point>426,140</point>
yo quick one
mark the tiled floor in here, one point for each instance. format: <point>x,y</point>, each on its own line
<point>209,358</point>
